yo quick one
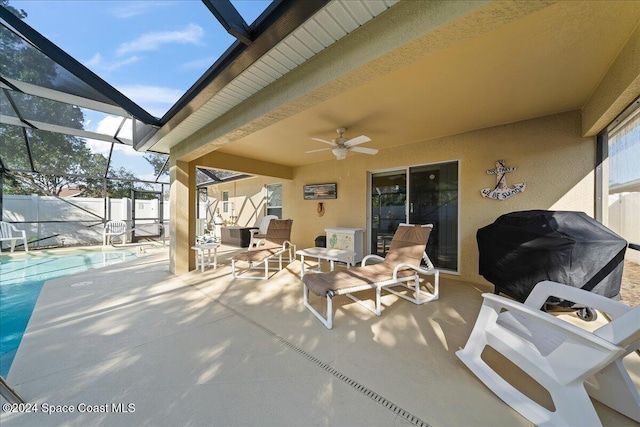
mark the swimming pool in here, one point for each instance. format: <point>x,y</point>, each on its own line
<point>21,279</point>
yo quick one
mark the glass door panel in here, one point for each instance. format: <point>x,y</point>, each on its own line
<point>433,199</point>
<point>388,207</point>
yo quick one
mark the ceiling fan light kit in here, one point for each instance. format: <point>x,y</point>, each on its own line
<point>340,152</point>
<point>342,146</point>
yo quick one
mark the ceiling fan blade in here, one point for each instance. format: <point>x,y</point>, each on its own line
<point>363,150</point>
<point>357,140</point>
<point>319,149</point>
<point>324,140</point>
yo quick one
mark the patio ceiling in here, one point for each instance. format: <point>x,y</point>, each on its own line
<point>494,63</point>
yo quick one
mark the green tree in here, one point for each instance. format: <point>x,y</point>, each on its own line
<point>157,161</point>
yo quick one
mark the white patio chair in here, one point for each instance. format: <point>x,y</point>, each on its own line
<point>9,232</point>
<point>114,229</point>
<point>570,362</point>
<point>261,232</point>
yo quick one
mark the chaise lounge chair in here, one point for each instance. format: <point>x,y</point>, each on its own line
<point>272,247</point>
<point>570,362</point>
<point>401,266</point>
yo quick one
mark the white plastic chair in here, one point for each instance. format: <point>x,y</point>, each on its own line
<point>114,229</point>
<point>9,232</point>
<point>261,232</point>
<point>571,363</point>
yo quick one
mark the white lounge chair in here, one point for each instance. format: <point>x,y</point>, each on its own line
<point>272,247</point>
<point>114,229</point>
<point>260,233</point>
<point>401,266</point>
<point>9,233</point>
<point>570,362</point>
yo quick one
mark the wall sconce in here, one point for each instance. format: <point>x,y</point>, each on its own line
<point>320,209</point>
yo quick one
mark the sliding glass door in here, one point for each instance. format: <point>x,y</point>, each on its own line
<point>426,194</point>
<point>388,207</point>
<point>433,199</point>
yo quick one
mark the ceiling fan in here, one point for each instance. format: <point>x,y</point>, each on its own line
<point>342,146</point>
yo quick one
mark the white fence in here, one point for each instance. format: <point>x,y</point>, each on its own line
<point>624,219</point>
<point>51,221</point>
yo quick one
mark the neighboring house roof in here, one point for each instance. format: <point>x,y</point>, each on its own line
<point>71,192</point>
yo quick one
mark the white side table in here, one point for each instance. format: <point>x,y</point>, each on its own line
<point>200,254</point>
<point>331,255</point>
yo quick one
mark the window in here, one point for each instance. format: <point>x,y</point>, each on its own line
<point>274,200</point>
<point>225,200</point>
<point>623,182</point>
<point>619,190</point>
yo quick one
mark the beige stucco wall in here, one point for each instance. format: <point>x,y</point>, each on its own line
<point>249,197</point>
<point>551,158</point>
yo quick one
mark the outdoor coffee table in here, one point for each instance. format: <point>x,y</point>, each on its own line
<point>200,255</point>
<point>328,254</point>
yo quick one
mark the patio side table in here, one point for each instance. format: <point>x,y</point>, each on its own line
<point>200,255</point>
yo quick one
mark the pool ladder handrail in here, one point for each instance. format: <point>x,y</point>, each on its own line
<point>9,393</point>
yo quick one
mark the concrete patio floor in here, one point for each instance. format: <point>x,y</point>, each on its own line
<point>202,349</point>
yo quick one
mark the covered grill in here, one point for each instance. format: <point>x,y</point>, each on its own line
<point>523,248</point>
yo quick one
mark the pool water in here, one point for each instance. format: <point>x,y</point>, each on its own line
<point>21,279</point>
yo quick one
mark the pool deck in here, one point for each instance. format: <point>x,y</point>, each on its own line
<point>204,349</point>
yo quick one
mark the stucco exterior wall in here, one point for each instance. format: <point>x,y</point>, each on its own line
<point>248,198</point>
<point>550,156</point>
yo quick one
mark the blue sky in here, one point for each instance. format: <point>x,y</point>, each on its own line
<point>153,51</point>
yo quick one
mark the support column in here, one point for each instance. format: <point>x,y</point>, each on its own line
<point>183,216</point>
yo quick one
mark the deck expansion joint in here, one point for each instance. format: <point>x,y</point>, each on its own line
<point>412,419</point>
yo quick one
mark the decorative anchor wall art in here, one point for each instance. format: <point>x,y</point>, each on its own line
<point>502,191</point>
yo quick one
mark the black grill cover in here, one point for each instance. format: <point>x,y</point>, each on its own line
<point>523,248</point>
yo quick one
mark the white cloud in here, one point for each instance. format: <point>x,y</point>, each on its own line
<point>135,8</point>
<point>156,100</point>
<point>108,126</point>
<point>97,62</point>
<point>156,94</point>
<point>192,34</point>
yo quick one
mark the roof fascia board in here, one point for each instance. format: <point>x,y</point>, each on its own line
<point>283,19</point>
<point>76,68</point>
<point>230,19</point>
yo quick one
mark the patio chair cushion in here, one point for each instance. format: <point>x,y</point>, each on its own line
<point>353,279</point>
<point>260,253</point>
<point>408,245</point>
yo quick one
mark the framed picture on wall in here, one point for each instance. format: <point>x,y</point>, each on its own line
<point>320,191</point>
